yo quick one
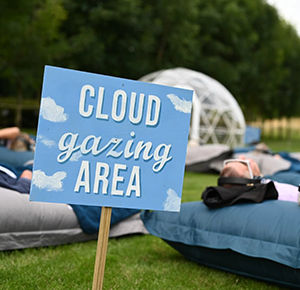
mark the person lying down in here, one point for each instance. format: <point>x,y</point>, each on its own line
<point>238,171</point>
<point>9,180</point>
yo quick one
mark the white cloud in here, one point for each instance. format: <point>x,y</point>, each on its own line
<point>76,156</point>
<point>50,183</point>
<point>49,143</point>
<point>51,111</point>
<point>172,202</point>
<point>180,105</point>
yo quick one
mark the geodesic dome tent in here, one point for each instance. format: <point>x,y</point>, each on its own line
<point>216,116</point>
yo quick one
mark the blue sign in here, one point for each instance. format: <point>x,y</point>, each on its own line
<point>110,141</point>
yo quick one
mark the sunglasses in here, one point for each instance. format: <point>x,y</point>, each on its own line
<point>246,162</point>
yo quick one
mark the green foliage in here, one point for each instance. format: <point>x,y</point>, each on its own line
<point>130,38</point>
<point>30,38</point>
<point>247,47</point>
<point>244,44</point>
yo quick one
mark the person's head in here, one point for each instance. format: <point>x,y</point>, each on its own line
<point>240,168</point>
<point>22,142</point>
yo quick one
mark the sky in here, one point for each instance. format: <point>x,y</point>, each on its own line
<point>289,10</point>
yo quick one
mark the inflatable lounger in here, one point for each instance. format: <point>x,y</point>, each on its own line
<point>260,240</point>
<point>27,224</point>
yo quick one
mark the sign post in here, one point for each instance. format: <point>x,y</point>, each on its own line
<point>102,248</point>
<point>110,142</point>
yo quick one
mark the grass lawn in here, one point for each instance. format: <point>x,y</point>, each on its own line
<point>133,262</point>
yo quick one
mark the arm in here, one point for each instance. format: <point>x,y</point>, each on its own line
<point>9,133</point>
<point>26,174</point>
<point>24,181</point>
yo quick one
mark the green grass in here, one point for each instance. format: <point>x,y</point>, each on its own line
<point>289,145</point>
<point>136,262</point>
<point>133,262</point>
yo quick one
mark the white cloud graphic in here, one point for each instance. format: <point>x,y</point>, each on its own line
<point>179,104</point>
<point>49,143</point>
<point>50,183</point>
<point>76,156</point>
<point>51,111</point>
<point>172,202</point>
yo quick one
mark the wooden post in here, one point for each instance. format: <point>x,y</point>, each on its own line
<point>102,248</point>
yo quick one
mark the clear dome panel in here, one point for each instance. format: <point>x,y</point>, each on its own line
<point>217,116</point>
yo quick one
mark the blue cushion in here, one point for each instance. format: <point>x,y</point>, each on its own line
<point>257,240</point>
<point>15,158</point>
<point>252,135</point>
<point>288,177</point>
<point>89,216</point>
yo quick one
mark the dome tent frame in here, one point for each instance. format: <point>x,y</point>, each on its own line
<point>216,116</point>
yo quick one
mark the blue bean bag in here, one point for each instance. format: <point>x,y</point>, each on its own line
<point>261,241</point>
<point>16,158</point>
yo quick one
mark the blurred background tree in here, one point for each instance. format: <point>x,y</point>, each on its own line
<point>244,44</point>
<point>29,39</point>
<point>130,38</point>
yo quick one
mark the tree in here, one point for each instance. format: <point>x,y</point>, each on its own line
<point>243,44</point>
<point>132,37</point>
<point>287,99</point>
<point>30,38</point>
